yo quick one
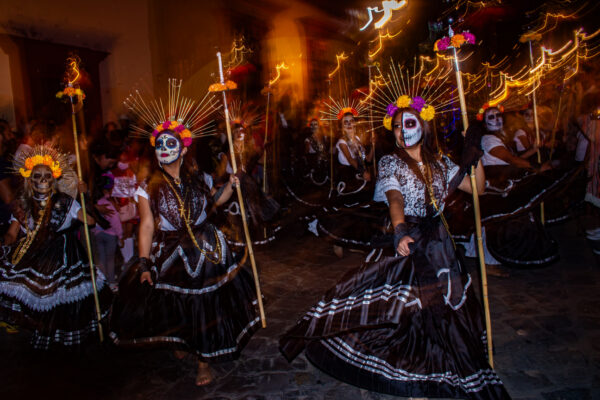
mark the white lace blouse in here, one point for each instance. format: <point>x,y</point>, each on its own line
<point>395,174</point>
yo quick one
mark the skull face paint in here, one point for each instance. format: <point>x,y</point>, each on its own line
<point>528,115</point>
<point>349,125</point>
<point>168,148</point>
<point>407,129</point>
<point>493,120</point>
<point>239,133</point>
<point>42,181</point>
<point>314,126</point>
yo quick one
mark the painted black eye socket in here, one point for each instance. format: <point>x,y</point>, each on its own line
<point>410,123</point>
<point>37,176</point>
<point>492,117</point>
<point>171,142</point>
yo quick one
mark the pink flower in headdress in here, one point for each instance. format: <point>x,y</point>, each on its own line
<point>391,109</point>
<point>470,38</point>
<point>166,124</point>
<point>443,43</point>
<point>187,142</point>
<point>179,128</point>
<point>417,103</point>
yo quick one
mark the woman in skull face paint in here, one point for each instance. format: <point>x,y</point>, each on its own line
<point>45,281</point>
<point>261,209</point>
<point>498,153</point>
<point>407,324</point>
<point>187,291</point>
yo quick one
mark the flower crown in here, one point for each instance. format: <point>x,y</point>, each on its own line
<point>32,162</point>
<point>184,133</point>
<point>485,107</point>
<point>426,112</point>
<point>347,110</point>
<point>454,41</point>
<point>336,109</point>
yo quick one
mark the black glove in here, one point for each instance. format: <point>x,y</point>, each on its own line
<point>472,151</point>
<point>400,231</point>
<point>144,265</point>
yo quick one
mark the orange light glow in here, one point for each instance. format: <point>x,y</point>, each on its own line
<point>278,68</point>
<point>339,58</point>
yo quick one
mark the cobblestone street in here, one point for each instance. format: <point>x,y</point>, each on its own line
<point>545,322</point>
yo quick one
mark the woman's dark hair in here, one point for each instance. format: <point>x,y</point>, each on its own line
<point>429,152</point>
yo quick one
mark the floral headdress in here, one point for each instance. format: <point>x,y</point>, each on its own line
<point>454,41</point>
<point>28,159</point>
<point>335,110</point>
<point>487,106</point>
<point>183,116</point>
<point>396,89</point>
<point>246,116</point>
<point>58,162</point>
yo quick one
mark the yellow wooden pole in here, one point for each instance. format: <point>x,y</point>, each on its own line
<point>537,125</point>
<point>85,224</point>
<point>484,284</point>
<point>241,199</point>
<point>264,185</point>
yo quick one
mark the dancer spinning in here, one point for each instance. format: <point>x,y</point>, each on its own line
<point>261,209</point>
<point>187,291</point>
<point>409,324</point>
<point>45,280</point>
<point>352,174</point>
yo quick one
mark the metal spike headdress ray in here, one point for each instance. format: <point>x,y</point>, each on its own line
<point>336,109</point>
<point>186,117</point>
<point>246,116</point>
<point>427,95</point>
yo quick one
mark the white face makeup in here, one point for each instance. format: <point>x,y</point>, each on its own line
<point>407,129</point>
<point>493,120</point>
<point>239,133</point>
<point>168,148</point>
<point>349,125</point>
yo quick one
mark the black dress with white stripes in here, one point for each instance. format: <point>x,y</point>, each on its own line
<point>408,326</point>
<point>49,290</point>
<point>203,299</point>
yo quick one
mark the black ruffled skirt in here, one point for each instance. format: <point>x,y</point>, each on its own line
<point>197,304</point>
<point>49,291</point>
<point>261,216</point>
<point>406,326</point>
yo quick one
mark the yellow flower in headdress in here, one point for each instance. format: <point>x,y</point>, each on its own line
<point>427,113</point>
<point>403,101</point>
<point>387,122</point>
<point>457,40</point>
<point>31,162</point>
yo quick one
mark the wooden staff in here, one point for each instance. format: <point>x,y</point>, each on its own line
<point>555,127</point>
<point>537,126</point>
<point>84,211</point>
<point>330,149</point>
<point>241,199</point>
<point>264,185</point>
<point>484,285</point>
<point>371,123</point>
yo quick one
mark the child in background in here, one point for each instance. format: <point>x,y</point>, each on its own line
<point>125,185</point>
<point>108,239</point>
